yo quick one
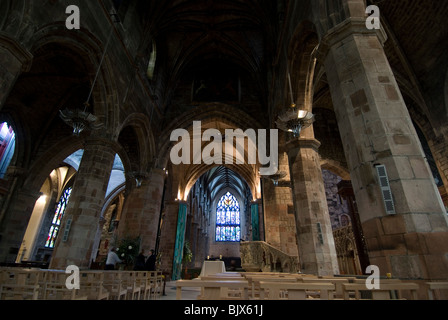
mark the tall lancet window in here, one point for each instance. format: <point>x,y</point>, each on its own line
<point>228,219</point>
<point>57,218</point>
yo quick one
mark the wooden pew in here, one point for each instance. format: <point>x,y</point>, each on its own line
<point>213,289</point>
<point>19,292</point>
<point>113,282</point>
<point>254,282</point>
<point>54,287</point>
<point>297,290</point>
<point>338,292</point>
<point>434,288</point>
<point>92,285</point>
<point>385,292</point>
<point>131,284</point>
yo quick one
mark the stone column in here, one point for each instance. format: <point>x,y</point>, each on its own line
<point>279,217</point>
<point>74,244</point>
<point>317,252</point>
<point>141,211</point>
<point>14,59</point>
<point>376,129</point>
<point>172,237</point>
<point>15,221</point>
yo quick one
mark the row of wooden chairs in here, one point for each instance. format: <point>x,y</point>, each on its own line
<point>300,286</point>
<point>278,286</point>
<point>38,284</point>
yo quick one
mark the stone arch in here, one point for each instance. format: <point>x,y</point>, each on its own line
<point>336,168</point>
<point>89,49</point>
<point>49,160</point>
<point>13,15</point>
<point>195,172</point>
<point>328,13</point>
<point>302,56</point>
<point>212,112</point>
<point>145,137</point>
<point>217,116</point>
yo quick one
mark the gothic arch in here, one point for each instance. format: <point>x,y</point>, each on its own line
<point>89,50</point>
<point>302,57</point>
<point>215,115</point>
<point>142,142</point>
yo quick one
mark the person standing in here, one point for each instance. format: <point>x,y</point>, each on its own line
<point>140,262</point>
<point>150,264</point>
<point>112,260</point>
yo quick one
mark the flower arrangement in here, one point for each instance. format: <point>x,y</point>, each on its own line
<point>128,249</point>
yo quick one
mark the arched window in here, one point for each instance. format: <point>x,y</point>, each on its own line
<point>152,61</point>
<point>7,147</point>
<point>228,219</point>
<point>57,218</point>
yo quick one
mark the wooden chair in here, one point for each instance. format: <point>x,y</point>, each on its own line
<point>92,285</point>
<point>113,283</point>
<point>254,283</point>
<point>130,283</point>
<point>387,291</point>
<point>143,279</point>
<point>434,289</point>
<point>19,292</point>
<point>213,289</point>
<point>338,293</point>
<point>156,283</point>
<point>54,291</point>
<point>297,290</point>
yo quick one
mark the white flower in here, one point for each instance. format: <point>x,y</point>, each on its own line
<point>130,247</point>
<point>122,254</point>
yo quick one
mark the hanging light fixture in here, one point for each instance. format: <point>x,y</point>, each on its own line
<point>293,119</point>
<point>274,177</point>
<point>81,119</point>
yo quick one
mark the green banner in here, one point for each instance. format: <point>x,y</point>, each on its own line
<point>180,240</point>
<point>255,222</point>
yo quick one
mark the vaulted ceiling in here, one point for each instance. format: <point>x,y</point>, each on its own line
<point>221,178</point>
<point>218,44</point>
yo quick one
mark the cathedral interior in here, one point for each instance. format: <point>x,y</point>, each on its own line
<point>89,160</point>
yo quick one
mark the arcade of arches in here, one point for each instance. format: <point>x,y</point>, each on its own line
<point>147,68</point>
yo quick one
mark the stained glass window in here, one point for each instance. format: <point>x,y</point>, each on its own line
<point>228,219</point>
<point>57,218</point>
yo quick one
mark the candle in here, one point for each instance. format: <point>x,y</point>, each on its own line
<point>208,257</point>
<point>220,257</point>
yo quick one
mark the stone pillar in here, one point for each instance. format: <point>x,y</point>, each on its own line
<point>279,214</point>
<point>376,129</point>
<point>84,207</point>
<point>317,252</point>
<point>14,59</point>
<point>15,222</point>
<point>172,237</point>
<point>141,211</point>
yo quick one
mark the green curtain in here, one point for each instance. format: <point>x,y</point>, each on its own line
<point>180,239</point>
<point>255,222</point>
